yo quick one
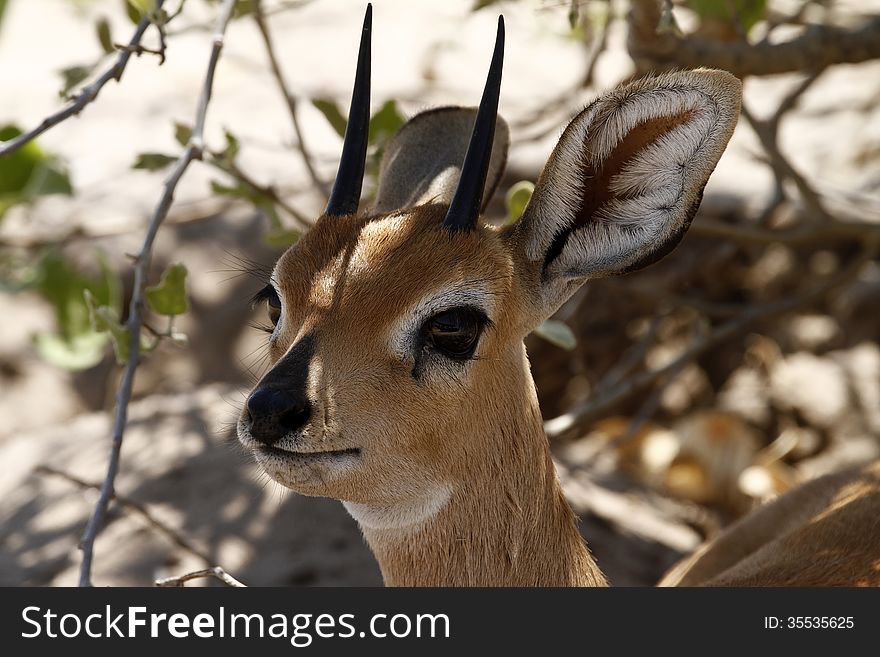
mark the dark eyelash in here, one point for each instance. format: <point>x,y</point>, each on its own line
<point>262,295</point>
<point>485,320</point>
<point>264,328</point>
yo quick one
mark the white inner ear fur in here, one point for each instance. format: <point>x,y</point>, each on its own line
<point>660,182</point>
<point>404,333</point>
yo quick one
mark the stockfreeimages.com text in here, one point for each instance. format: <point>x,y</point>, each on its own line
<point>299,629</point>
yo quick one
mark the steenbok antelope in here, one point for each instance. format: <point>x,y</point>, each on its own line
<point>400,384</point>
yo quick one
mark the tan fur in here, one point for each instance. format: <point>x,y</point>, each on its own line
<point>445,464</point>
<point>823,533</point>
<point>445,434</point>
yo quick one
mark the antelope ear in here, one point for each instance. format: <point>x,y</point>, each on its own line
<point>624,182</point>
<point>422,162</point>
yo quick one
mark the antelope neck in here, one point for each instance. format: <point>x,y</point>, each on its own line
<point>504,523</point>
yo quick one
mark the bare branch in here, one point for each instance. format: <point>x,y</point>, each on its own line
<point>803,235</point>
<point>77,233</point>
<point>632,356</point>
<point>88,94</point>
<point>600,44</point>
<point>571,99</point>
<point>193,151</point>
<point>216,571</point>
<point>141,49</point>
<point>650,404</point>
<point>818,47</point>
<point>266,191</point>
<point>135,507</point>
<point>766,131</point>
<point>606,399</point>
<point>260,20</point>
<point>768,134</point>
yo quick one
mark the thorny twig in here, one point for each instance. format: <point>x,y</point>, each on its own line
<point>88,93</point>
<point>140,49</point>
<point>135,507</point>
<point>260,20</point>
<point>606,399</point>
<point>192,152</point>
<point>216,571</point>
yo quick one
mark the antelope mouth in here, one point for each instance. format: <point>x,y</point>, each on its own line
<point>306,457</point>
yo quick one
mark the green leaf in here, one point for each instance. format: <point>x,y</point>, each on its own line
<point>133,13</point>
<point>77,345</point>
<point>385,123</point>
<point>574,15</point>
<point>331,112</point>
<point>2,9</point>
<point>240,191</point>
<point>747,12</point>
<point>143,7</point>
<point>105,38</point>
<point>105,319</point>
<point>153,161</point>
<point>517,199</point>
<point>16,169</point>
<point>281,238</point>
<point>169,296</point>
<point>557,333</point>
<point>18,271</point>
<point>225,190</point>
<point>232,147</point>
<point>243,8</point>
<point>28,173</point>
<point>79,353</point>
<point>64,287</point>
<point>49,179</point>
<point>278,235</point>
<point>72,76</point>
<point>182,133</point>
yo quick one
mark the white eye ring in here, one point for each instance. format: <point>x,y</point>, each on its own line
<point>405,336</point>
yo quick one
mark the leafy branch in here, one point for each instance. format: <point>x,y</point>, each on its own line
<point>90,92</point>
<point>192,152</point>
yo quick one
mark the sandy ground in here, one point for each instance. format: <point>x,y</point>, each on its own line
<point>178,458</point>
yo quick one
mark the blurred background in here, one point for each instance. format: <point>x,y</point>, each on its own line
<point>676,399</point>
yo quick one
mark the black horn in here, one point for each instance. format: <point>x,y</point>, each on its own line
<point>465,207</point>
<point>350,177</point>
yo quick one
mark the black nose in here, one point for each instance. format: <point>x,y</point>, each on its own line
<point>272,413</point>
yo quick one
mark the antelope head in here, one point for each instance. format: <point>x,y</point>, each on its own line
<point>399,381</point>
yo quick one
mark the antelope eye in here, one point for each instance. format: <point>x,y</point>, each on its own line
<point>273,302</point>
<point>455,332</point>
